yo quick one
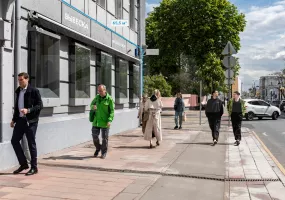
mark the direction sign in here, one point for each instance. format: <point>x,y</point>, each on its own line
<point>152,52</point>
<point>229,49</point>
<point>229,73</point>
<point>229,61</point>
<point>119,22</point>
<point>227,81</point>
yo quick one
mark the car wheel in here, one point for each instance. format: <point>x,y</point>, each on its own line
<point>250,116</point>
<point>260,118</point>
<point>274,115</point>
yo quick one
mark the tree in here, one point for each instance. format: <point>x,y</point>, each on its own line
<point>199,29</point>
<point>156,82</point>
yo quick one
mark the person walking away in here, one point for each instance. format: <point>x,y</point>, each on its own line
<point>214,113</point>
<point>103,104</point>
<point>236,109</point>
<point>179,108</point>
<point>153,126</point>
<point>143,115</point>
<point>27,108</point>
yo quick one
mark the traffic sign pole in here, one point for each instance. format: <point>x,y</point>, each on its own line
<point>229,62</point>
<point>229,80</point>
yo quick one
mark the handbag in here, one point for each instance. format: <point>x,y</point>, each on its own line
<point>92,114</point>
<point>145,115</point>
<point>184,118</point>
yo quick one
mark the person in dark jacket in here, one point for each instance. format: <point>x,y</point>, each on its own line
<point>214,113</point>
<point>28,106</point>
<point>179,108</point>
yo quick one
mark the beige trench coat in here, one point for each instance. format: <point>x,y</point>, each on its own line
<point>142,105</point>
<point>154,120</point>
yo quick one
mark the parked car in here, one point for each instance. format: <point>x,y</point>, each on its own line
<point>260,109</point>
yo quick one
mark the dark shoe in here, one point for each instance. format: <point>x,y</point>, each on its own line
<point>176,127</point>
<point>96,153</point>
<point>103,156</point>
<point>21,168</point>
<point>151,146</point>
<point>237,143</point>
<point>32,171</point>
<point>214,142</point>
<point>180,127</point>
<point>157,143</point>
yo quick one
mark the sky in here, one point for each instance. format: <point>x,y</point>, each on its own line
<point>263,41</point>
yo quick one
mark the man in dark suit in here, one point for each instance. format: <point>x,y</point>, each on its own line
<point>27,109</point>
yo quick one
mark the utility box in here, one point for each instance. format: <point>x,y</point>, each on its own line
<point>5,30</point>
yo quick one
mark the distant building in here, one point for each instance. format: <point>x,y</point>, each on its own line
<point>269,88</point>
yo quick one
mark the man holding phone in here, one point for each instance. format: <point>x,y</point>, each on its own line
<point>103,104</point>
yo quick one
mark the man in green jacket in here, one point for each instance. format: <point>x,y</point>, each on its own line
<point>103,105</point>
<point>236,109</point>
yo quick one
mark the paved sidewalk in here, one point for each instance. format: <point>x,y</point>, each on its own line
<point>184,166</point>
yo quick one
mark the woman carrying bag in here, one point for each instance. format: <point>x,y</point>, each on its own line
<point>143,114</point>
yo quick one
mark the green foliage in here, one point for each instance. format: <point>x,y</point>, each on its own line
<point>197,29</point>
<point>156,82</point>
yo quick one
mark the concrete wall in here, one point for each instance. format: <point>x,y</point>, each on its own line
<point>65,125</point>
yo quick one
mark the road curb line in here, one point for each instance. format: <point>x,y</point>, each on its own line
<point>277,163</point>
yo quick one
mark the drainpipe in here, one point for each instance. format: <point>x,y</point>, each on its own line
<point>17,64</point>
<point>1,93</point>
<point>140,45</point>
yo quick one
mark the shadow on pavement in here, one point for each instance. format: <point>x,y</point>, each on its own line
<point>205,143</point>
<point>128,135</point>
<point>5,174</point>
<point>68,157</point>
<point>131,147</point>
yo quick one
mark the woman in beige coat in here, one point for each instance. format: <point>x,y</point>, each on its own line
<point>142,113</point>
<point>153,125</point>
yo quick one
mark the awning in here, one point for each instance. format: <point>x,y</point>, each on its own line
<point>47,23</point>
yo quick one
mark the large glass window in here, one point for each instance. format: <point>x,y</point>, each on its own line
<point>132,15</point>
<point>119,9</point>
<point>134,83</point>
<point>122,67</point>
<point>80,71</point>
<point>44,63</point>
<point>101,3</point>
<point>104,70</point>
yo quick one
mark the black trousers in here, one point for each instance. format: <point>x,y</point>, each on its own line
<point>105,137</point>
<point>21,128</point>
<point>236,124</point>
<point>215,123</point>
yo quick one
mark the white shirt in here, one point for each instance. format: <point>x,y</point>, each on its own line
<point>21,100</point>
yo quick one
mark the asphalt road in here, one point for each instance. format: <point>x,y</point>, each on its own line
<point>272,133</point>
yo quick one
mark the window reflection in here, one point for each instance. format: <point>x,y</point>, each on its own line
<point>122,79</point>
<point>82,65</point>
<point>44,64</point>
<point>104,70</point>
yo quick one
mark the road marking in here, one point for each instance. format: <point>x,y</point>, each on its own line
<point>270,154</point>
<point>264,134</point>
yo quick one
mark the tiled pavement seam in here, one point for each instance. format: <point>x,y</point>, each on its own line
<point>62,183</point>
<point>249,160</point>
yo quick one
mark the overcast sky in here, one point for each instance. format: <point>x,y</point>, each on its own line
<point>263,41</point>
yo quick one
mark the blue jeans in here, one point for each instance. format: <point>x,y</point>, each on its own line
<point>96,141</point>
<point>178,114</point>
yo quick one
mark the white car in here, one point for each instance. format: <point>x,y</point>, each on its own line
<point>259,108</point>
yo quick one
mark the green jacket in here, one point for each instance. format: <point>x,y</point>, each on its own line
<point>230,106</point>
<point>105,110</point>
